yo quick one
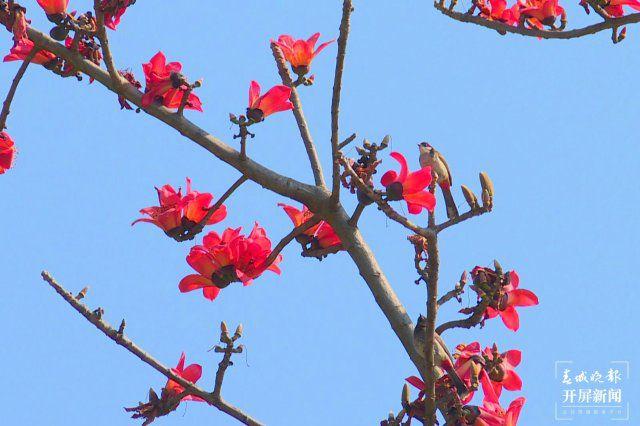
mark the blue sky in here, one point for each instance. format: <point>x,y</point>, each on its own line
<point>554,123</point>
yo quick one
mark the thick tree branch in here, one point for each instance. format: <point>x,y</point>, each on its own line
<point>288,187</point>
<point>563,35</point>
<point>299,115</point>
<point>95,318</point>
<point>347,8</point>
<point>6,106</point>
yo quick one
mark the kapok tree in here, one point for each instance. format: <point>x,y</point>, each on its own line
<point>77,45</point>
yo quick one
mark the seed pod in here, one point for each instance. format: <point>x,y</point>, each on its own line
<point>471,198</point>
<point>486,183</point>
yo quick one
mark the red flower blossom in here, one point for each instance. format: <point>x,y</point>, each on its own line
<point>492,414</point>
<point>166,85</point>
<point>615,7</point>
<point>509,297</point>
<point>192,373</point>
<point>501,369</point>
<point>300,53</point>
<point>54,7</point>
<point>496,10</point>
<point>7,152</point>
<point>322,235</point>
<point>113,11</point>
<point>21,50</point>
<point>543,13</point>
<point>275,100</point>
<point>409,186</point>
<point>232,257</point>
<point>177,214</point>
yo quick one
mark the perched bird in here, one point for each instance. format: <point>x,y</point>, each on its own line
<point>442,358</point>
<point>430,157</point>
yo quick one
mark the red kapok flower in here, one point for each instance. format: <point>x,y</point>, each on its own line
<point>275,100</point>
<point>409,186</point>
<point>54,7</point>
<point>543,13</point>
<point>615,7</point>
<point>192,373</point>
<point>512,297</point>
<point>300,52</point>
<point>166,85</point>
<point>177,214</point>
<point>320,235</point>
<point>227,258</point>
<point>7,152</point>
<point>501,369</point>
<point>21,50</point>
<point>492,414</point>
<point>113,11</point>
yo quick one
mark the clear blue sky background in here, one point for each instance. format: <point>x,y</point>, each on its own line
<point>554,123</point>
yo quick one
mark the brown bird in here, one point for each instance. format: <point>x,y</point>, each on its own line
<point>432,158</point>
<point>442,358</point>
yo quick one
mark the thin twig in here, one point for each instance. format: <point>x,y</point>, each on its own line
<point>347,8</point>
<point>564,35</point>
<point>478,211</point>
<point>104,43</point>
<point>129,345</point>
<point>347,141</point>
<point>474,319</point>
<point>318,175</point>
<point>355,217</point>
<point>314,220</point>
<point>6,106</point>
<point>184,101</point>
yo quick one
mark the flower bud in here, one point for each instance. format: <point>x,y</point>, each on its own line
<point>471,198</point>
<point>385,141</point>
<point>486,183</point>
<point>497,267</point>
<point>487,201</point>
<point>406,395</point>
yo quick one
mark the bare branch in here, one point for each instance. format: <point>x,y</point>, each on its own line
<point>471,321</point>
<point>299,115</point>
<point>564,35</point>
<point>465,216</point>
<point>101,33</point>
<point>347,8</point>
<point>6,106</point>
<point>129,345</point>
<point>347,141</point>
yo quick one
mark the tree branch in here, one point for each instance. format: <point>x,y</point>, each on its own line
<point>347,8</point>
<point>101,33</point>
<point>478,211</point>
<point>471,321</point>
<point>6,106</point>
<point>299,115</point>
<point>309,195</point>
<point>314,220</point>
<point>94,317</point>
<point>564,35</point>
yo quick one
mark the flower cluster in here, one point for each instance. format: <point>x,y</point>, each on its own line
<point>409,187</point>
<point>166,85</point>
<point>528,13</point>
<point>7,152</point>
<point>319,236</point>
<point>178,214</point>
<point>500,295</point>
<point>228,258</point>
<point>113,11</point>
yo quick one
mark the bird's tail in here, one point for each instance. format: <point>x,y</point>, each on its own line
<point>450,203</point>
<point>461,387</point>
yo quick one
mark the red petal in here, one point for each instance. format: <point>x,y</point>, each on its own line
<point>512,381</point>
<point>254,93</point>
<point>522,297</point>
<point>416,382</point>
<point>388,178</point>
<point>510,318</point>
<point>417,181</point>
<point>404,168</point>
<point>194,282</point>
<point>514,357</point>
<point>211,292</point>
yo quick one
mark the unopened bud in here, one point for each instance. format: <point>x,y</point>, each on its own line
<point>385,141</point>
<point>238,333</point>
<point>471,198</point>
<point>197,84</point>
<point>464,277</point>
<point>487,202</point>
<point>82,294</point>
<point>497,267</point>
<point>391,419</point>
<point>406,395</point>
<point>366,143</point>
<point>486,183</point>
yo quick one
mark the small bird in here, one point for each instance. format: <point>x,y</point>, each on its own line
<point>442,357</point>
<point>430,157</point>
